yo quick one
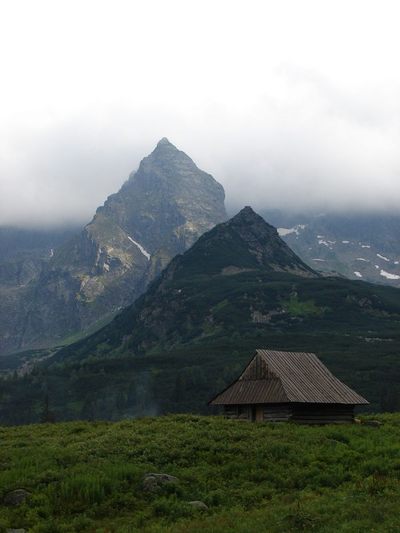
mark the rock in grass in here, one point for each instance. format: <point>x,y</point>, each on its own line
<point>197,504</point>
<point>153,482</point>
<point>372,423</point>
<point>16,497</point>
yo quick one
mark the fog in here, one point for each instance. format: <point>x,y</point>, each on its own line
<point>289,105</point>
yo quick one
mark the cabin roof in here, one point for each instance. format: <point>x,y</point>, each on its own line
<point>285,377</point>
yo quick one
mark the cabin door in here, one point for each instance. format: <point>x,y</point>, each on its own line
<point>257,413</point>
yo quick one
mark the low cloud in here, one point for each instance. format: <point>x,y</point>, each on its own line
<point>315,150</point>
<point>289,116</point>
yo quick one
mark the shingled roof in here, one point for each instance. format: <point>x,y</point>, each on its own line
<point>287,377</point>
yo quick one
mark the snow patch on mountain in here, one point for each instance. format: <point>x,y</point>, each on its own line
<point>287,231</point>
<point>144,252</point>
<point>388,275</point>
<point>383,257</point>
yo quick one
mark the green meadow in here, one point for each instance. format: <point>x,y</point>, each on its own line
<point>88,476</point>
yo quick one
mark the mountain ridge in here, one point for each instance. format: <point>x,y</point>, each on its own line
<point>191,331</point>
<point>158,212</point>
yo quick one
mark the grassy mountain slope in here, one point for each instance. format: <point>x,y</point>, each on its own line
<point>253,477</point>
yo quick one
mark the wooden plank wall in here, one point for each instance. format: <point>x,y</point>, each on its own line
<point>240,412</point>
<point>302,414</point>
<point>277,413</point>
<point>335,414</point>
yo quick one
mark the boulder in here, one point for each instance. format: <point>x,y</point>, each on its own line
<point>16,497</point>
<point>197,504</point>
<point>373,423</point>
<point>153,482</point>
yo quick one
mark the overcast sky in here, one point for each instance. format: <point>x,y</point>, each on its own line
<point>287,104</point>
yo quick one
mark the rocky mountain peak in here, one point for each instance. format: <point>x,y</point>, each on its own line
<point>248,216</point>
<point>164,142</point>
<point>165,161</point>
<point>245,242</point>
<point>159,212</point>
<point>252,227</point>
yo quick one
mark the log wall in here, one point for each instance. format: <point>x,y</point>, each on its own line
<point>300,413</point>
<point>323,414</point>
<point>277,413</point>
<point>240,412</point>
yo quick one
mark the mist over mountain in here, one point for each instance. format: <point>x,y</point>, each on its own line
<point>160,211</point>
<point>306,131</point>
<point>356,245</point>
<point>61,182</point>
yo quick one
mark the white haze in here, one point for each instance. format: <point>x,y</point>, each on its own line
<point>288,104</point>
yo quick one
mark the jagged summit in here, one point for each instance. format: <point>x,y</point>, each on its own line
<point>247,215</point>
<point>245,242</point>
<point>165,206</point>
<point>247,210</point>
<point>248,218</point>
<point>164,142</point>
<point>167,160</point>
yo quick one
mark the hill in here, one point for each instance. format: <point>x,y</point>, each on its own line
<point>252,477</point>
<point>238,288</point>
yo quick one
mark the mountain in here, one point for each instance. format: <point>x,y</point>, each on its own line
<point>239,287</point>
<point>358,246</point>
<point>160,211</point>
<point>24,253</point>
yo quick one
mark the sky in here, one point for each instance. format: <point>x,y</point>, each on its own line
<point>288,104</point>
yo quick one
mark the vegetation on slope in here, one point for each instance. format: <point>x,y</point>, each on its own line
<point>253,477</point>
<point>196,326</point>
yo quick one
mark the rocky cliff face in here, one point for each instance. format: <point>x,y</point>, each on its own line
<point>160,211</point>
<point>222,274</point>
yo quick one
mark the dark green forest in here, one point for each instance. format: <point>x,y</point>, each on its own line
<point>352,326</point>
<point>239,288</point>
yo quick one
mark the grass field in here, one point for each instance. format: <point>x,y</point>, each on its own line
<point>87,476</point>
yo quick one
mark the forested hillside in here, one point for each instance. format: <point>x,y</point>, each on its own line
<point>237,289</point>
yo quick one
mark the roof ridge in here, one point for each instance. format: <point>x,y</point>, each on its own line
<point>274,376</point>
<point>311,377</point>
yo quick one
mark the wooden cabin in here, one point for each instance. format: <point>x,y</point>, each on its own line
<point>281,386</point>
